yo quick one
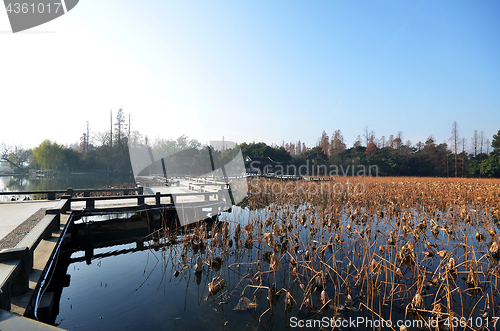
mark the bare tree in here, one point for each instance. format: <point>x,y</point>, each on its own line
<point>366,135</point>
<point>82,147</point>
<point>15,156</point>
<point>475,139</point>
<point>390,141</point>
<point>120,128</point>
<point>464,155</point>
<point>420,146</point>
<point>398,142</point>
<point>135,138</point>
<point>102,138</point>
<point>337,144</point>
<point>324,143</point>
<point>111,128</point>
<point>481,139</point>
<point>357,142</point>
<point>455,142</point>
<point>488,142</point>
<point>5,151</point>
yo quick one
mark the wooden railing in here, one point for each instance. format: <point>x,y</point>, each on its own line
<point>90,201</point>
<point>51,194</point>
<point>198,190</point>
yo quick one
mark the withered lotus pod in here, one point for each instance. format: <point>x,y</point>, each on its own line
<point>493,233</point>
<point>274,263</point>
<point>375,267</point>
<point>216,285</point>
<point>288,300</point>
<point>479,236</point>
<point>324,297</point>
<point>452,265</point>
<point>442,254</point>
<point>198,267</point>
<point>494,250</point>
<point>418,302</point>
<point>245,304</point>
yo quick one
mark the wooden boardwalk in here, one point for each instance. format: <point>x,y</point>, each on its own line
<point>21,269</point>
<point>14,213</point>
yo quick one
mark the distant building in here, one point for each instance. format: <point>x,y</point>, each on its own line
<point>260,165</point>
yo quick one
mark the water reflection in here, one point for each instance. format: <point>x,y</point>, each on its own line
<point>61,182</point>
<point>278,264</point>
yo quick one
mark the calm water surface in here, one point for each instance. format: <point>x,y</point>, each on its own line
<point>138,290</point>
<point>60,182</point>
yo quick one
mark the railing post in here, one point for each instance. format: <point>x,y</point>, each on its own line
<point>90,203</point>
<point>140,193</point>
<point>51,195</point>
<point>86,193</point>
<point>68,206</point>
<point>69,191</point>
<point>158,198</point>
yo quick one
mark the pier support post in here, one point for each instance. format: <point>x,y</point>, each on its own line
<point>140,192</point>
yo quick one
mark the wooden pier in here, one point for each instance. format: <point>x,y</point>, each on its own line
<point>22,271</point>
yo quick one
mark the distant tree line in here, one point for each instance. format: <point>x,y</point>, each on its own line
<point>393,157</point>
<point>108,152</point>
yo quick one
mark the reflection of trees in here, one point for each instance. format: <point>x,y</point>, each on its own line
<point>63,182</point>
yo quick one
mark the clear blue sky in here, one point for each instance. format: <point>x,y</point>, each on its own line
<point>267,71</point>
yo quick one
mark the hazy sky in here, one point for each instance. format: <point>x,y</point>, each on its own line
<point>267,71</point>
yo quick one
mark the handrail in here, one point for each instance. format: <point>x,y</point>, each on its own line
<point>51,194</point>
<point>70,190</point>
<point>90,201</point>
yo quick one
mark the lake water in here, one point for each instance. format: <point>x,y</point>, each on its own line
<point>60,182</point>
<point>126,287</point>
